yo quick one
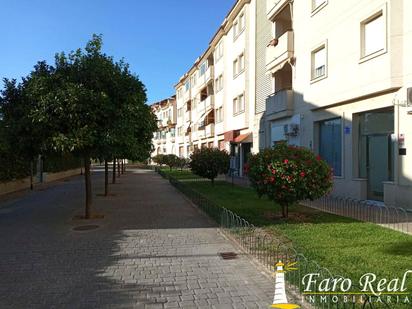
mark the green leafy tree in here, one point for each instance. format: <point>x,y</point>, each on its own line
<point>171,161</point>
<point>159,159</point>
<point>288,174</point>
<point>209,162</point>
<point>79,103</point>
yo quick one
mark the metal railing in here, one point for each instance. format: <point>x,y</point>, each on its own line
<point>396,218</point>
<point>268,250</point>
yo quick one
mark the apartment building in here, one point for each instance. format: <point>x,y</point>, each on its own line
<point>164,140</point>
<point>333,76</point>
<point>215,98</point>
<point>341,73</point>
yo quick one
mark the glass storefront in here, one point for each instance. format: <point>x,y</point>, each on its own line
<point>376,150</point>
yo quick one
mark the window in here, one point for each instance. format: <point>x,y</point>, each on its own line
<point>219,83</point>
<point>239,25</point>
<point>238,65</point>
<point>180,112</point>
<point>179,93</point>
<point>219,114</point>
<point>203,68</point>
<point>219,51</point>
<point>193,80</point>
<point>373,35</point>
<point>180,131</point>
<point>319,62</point>
<point>235,68</point>
<point>235,29</point>
<point>222,144</point>
<point>238,104</point>
<point>187,85</point>
<point>330,144</point>
<point>241,63</point>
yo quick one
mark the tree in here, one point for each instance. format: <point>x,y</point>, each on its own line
<point>288,174</point>
<point>81,104</point>
<point>182,163</point>
<point>21,139</point>
<point>159,159</point>
<point>209,162</point>
<point>171,160</point>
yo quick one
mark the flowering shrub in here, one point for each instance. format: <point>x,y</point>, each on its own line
<point>288,174</point>
<point>209,162</point>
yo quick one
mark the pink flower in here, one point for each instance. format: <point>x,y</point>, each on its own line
<point>302,174</point>
<point>286,161</point>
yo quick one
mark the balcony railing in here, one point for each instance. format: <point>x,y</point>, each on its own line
<point>281,52</point>
<point>188,116</point>
<point>206,77</point>
<point>273,7</point>
<point>210,130</point>
<point>281,101</point>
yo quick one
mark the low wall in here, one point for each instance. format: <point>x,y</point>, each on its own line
<point>22,184</point>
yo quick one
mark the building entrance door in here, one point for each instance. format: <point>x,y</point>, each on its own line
<point>376,150</point>
<point>378,165</point>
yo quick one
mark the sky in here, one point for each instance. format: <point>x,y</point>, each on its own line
<point>160,39</point>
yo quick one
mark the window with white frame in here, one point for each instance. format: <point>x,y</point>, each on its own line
<point>373,34</point>
<point>242,21</point>
<point>239,25</point>
<point>319,61</point>
<point>219,51</point>
<point>238,104</point>
<point>219,83</point>
<point>219,114</point>
<point>203,68</point>
<point>235,29</point>
<point>187,85</point>
<point>239,65</point>
<point>235,67</point>
<point>241,62</point>
<point>180,112</point>
<point>193,80</point>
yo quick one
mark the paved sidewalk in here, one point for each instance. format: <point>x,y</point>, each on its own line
<point>152,250</point>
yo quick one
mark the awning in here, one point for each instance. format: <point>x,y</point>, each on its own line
<point>207,118</point>
<point>244,138</point>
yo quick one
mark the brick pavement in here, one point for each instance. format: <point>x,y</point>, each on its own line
<point>153,250</point>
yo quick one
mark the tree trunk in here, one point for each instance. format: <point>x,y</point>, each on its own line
<point>31,175</point>
<point>106,178</point>
<point>213,181</point>
<point>285,210</point>
<point>122,166</point>
<point>114,171</point>
<point>118,169</point>
<point>87,178</point>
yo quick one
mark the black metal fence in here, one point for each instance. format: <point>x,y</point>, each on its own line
<point>396,218</point>
<point>268,250</point>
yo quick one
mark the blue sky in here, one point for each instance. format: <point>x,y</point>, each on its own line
<point>159,38</point>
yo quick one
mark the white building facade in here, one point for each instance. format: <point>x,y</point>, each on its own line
<point>333,76</point>
<point>164,140</point>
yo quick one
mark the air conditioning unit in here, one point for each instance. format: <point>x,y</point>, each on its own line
<point>291,129</point>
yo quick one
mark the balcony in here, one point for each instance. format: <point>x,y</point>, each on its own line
<point>206,77</point>
<point>273,7</point>
<point>280,103</point>
<point>188,116</point>
<point>210,130</point>
<point>205,105</point>
<point>277,55</point>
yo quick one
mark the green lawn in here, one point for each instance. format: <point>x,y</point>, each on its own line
<point>180,175</point>
<point>346,247</point>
